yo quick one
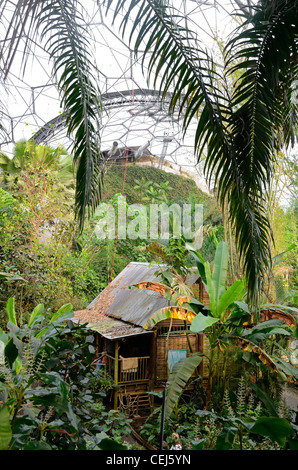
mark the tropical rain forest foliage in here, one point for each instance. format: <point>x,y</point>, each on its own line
<point>52,263</point>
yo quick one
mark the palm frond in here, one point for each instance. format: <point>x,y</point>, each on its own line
<point>59,25</point>
<point>265,53</point>
<point>180,66</point>
<point>69,47</point>
<point>21,32</point>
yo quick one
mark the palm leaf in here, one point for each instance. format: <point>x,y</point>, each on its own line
<point>69,46</point>
<point>239,132</point>
<point>201,322</point>
<point>265,53</point>
<point>36,314</point>
<point>59,25</point>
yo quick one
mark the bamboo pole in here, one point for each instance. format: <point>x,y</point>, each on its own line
<point>116,369</point>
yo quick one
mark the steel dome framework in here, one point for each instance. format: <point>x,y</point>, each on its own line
<point>133,114</point>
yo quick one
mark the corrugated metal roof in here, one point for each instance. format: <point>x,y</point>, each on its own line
<point>111,328</point>
<point>133,305</point>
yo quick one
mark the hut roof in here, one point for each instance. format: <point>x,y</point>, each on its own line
<point>129,307</point>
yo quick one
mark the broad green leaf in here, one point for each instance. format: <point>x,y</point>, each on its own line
<point>3,337</point>
<point>219,272</point>
<point>109,444</point>
<point>242,306</point>
<point>37,445</point>
<point>37,313</point>
<point>198,445</point>
<point>199,260</point>
<point>282,307</point>
<point>229,297</point>
<point>10,352</point>
<point>286,367</point>
<point>201,322</point>
<point>209,288</point>
<point>226,438</point>
<point>5,429</point>
<point>293,443</point>
<point>10,306</point>
<point>266,329</point>
<point>182,372</point>
<point>67,308</point>
<point>278,429</point>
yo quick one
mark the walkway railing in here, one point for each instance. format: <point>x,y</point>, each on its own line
<point>130,369</point>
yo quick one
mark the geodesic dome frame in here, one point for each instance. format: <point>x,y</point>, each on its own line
<point>133,113</point>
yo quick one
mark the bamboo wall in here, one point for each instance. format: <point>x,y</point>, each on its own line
<point>174,341</point>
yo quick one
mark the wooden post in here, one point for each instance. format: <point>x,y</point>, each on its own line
<point>106,354</point>
<point>152,360</point>
<point>116,369</point>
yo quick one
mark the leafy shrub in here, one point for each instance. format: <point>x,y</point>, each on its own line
<point>45,384</point>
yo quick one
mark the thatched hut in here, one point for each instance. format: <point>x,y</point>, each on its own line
<point>138,358</point>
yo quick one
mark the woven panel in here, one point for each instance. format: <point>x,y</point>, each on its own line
<point>174,343</point>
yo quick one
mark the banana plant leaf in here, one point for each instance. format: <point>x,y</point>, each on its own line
<point>155,286</point>
<point>247,345</point>
<point>36,315</point>
<point>182,372</point>
<point>8,277</point>
<point>266,329</point>
<point>220,269</point>
<point>233,293</point>
<point>199,260</point>
<point>277,429</point>
<point>201,322</point>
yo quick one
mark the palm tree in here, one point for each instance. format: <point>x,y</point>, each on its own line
<point>59,26</point>
<point>27,154</point>
<point>240,130</point>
